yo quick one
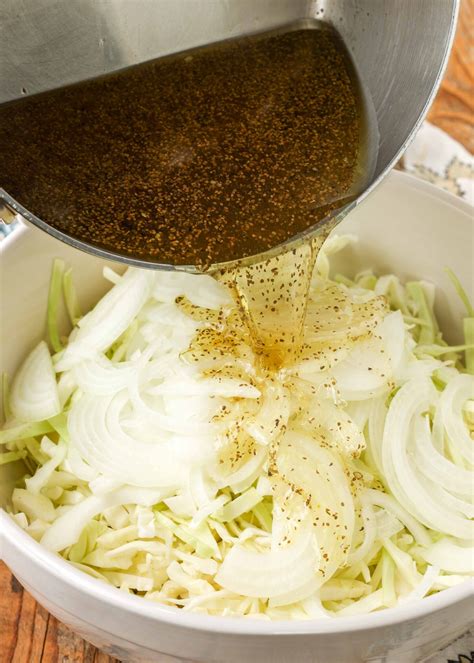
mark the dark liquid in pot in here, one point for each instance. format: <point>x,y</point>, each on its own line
<point>202,157</point>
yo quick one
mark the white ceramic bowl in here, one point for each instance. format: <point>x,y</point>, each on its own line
<point>406,226</point>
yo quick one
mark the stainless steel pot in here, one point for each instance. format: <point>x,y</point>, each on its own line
<point>400,48</point>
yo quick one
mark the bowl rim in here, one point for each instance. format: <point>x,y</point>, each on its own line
<point>63,571</point>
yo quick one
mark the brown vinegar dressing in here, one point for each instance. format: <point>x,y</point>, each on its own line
<point>200,158</point>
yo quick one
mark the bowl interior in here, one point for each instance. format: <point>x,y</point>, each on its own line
<point>407,227</point>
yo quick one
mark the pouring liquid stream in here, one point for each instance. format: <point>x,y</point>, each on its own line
<point>272,298</point>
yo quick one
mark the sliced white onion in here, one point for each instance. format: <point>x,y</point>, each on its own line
<point>377,415</point>
<point>387,524</point>
<point>435,466</point>
<point>451,555</point>
<point>459,390</point>
<point>413,369</point>
<point>110,275</point>
<point>275,574</point>
<point>244,477</point>
<point>312,478</point>
<point>370,532</point>
<point>34,394</point>
<point>365,372</point>
<point>149,413</point>
<point>359,412</point>
<point>66,387</point>
<point>99,437</point>
<point>218,386</point>
<point>392,331</point>
<point>384,501</point>
<point>333,244</point>
<point>456,504</point>
<point>74,464</point>
<point>102,485</point>
<point>321,357</point>
<point>412,491</point>
<point>168,321</point>
<point>102,377</point>
<point>293,596</point>
<point>201,290</point>
<point>156,369</point>
<point>108,319</point>
<point>272,416</point>
<point>334,427</point>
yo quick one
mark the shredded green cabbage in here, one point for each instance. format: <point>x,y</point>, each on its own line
<point>70,298</point>
<point>179,470</point>
<point>54,298</point>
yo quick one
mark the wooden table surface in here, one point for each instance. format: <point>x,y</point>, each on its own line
<point>28,634</point>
